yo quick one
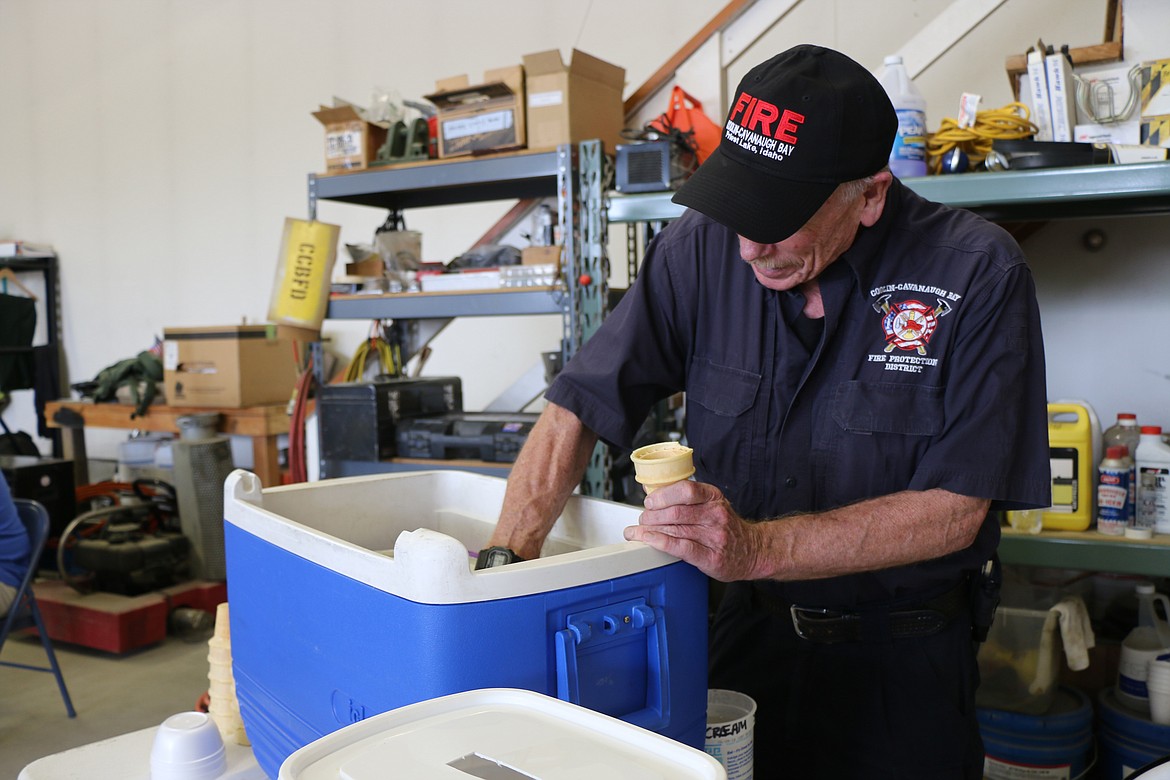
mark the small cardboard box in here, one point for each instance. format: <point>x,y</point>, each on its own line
<point>351,142</point>
<point>540,255</point>
<point>483,117</point>
<point>370,267</point>
<point>578,102</point>
<point>228,366</point>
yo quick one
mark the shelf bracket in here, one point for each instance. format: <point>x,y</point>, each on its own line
<point>582,207</point>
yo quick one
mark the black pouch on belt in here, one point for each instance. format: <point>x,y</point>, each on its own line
<point>985,587</point>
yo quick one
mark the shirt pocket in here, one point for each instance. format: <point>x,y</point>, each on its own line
<point>879,432</point>
<point>720,422</point>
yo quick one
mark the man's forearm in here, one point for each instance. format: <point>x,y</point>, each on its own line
<point>694,521</point>
<point>548,469</point>
<point>879,533</point>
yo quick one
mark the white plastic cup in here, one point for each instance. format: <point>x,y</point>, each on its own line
<point>1029,521</point>
<point>731,723</point>
<point>1158,670</point>
<point>1158,689</point>
<point>187,746</point>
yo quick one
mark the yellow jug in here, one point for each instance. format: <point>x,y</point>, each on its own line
<point>1070,447</point>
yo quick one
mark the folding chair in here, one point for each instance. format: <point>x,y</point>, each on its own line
<point>24,612</point>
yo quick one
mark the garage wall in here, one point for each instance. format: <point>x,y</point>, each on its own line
<point>159,144</point>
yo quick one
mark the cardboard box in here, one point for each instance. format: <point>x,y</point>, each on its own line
<point>483,117</point>
<point>228,366</point>
<point>540,255</point>
<point>578,102</point>
<point>370,267</point>
<point>351,143</point>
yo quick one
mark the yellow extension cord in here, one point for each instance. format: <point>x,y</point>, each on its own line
<point>1007,123</point>
<point>390,358</point>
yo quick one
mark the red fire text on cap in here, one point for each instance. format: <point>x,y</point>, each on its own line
<point>760,116</point>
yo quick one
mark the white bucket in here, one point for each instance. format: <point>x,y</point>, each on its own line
<point>731,723</point>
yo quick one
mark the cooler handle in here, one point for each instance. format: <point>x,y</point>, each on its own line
<point>581,631</point>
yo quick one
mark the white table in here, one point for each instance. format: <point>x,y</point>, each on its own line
<point>128,758</point>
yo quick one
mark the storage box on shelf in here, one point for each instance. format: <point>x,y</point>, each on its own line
<point>573,102</point>
<point>476,118</point>
<point>351,142</point>
<point>228,366</point>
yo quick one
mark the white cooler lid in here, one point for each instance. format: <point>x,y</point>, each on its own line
<point>497,734</point>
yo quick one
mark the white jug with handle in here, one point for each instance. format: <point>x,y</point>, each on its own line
<point>1147,641</point>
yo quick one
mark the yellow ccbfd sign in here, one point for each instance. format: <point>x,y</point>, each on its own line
<point>300,296</point>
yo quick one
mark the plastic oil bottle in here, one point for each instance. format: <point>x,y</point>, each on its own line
<point>1152,461</point>
<point>1149,639</point>
<point>1070,450</point>
<point>1126,432</point>
<point>1113,490</point>
<point>908,157</point>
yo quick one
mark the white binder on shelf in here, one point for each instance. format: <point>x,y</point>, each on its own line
<point>1061,94</point>
<point>1037,92</point>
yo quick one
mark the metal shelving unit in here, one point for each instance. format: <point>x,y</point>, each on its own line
<point>442,182</point>
<point>1005,196</point>
<point>434,183</point>
<point>536,300</point>
<point>1086,550</point>
<point>1019,196</point>
<point>572,173</point>
<point>51,350</point>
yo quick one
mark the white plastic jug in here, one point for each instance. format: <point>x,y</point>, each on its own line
<point>1144,643</point>
<point>1153,480</point>
<point>908,156</point>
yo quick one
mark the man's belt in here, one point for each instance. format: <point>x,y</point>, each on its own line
<point>829,626</point>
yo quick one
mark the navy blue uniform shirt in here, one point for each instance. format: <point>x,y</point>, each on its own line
<point>929,373</point>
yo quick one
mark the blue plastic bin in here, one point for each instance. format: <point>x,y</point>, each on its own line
<point>1129,740</point>
<point>352,597</point>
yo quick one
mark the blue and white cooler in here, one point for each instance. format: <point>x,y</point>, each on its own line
<point>353,597</point>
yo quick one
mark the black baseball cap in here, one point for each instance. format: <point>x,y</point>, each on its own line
<point>801,123</point>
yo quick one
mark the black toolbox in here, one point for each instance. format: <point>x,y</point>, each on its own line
<point>358,420</point>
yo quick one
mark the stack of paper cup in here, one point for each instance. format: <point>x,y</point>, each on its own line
<point>1158,685</point>
<point>662,464</point>
<point>224,707</point>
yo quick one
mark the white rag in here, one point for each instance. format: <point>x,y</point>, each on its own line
<point>1076,631</point>
<point>1076,634</point>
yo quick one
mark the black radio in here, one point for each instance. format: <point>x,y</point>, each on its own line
<point>496,438</point>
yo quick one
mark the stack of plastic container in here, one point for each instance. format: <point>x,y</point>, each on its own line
<point>225,707</point>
